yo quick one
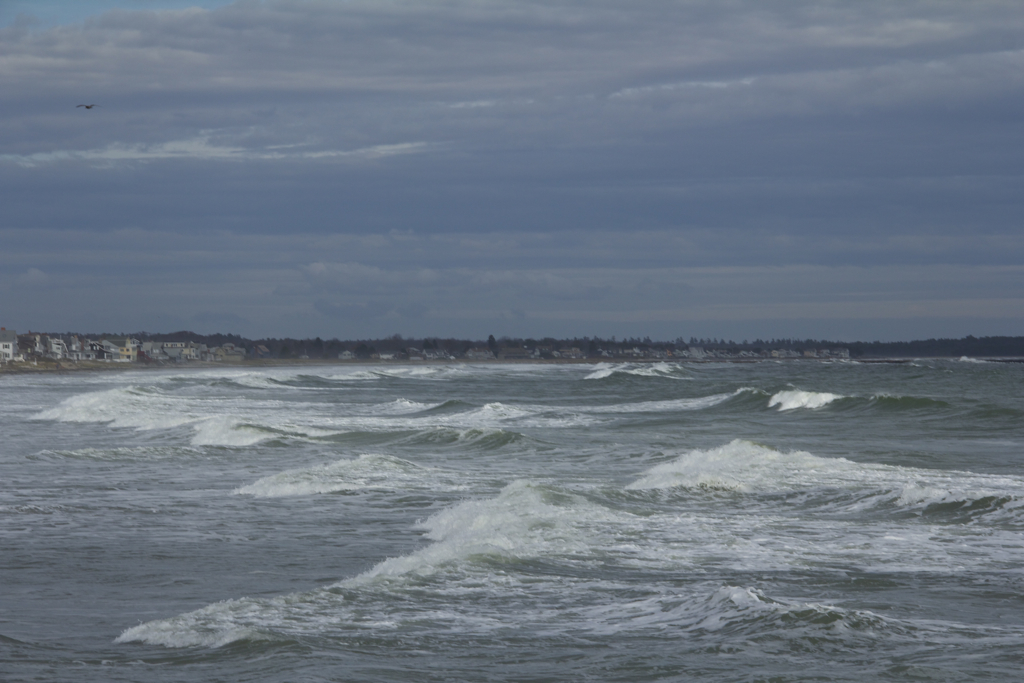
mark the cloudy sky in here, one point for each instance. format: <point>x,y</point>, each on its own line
<point>463,168</point>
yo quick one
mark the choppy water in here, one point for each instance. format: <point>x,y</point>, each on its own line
<point>797,521</point>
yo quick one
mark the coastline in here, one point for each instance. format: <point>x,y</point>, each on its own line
<point>48,366</point>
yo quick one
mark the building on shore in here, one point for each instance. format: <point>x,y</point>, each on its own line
<point>9,346</point>
<point>515,353</point>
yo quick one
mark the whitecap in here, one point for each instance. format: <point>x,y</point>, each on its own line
<point>659,369</point>
<point>837,483</point>
<point>518,523</point>
<point>143,408</point>
<point>739,465</point>
<point>793,399</point>
<point>368,471</point>
<point>220,431</point>
<point>698,403</point>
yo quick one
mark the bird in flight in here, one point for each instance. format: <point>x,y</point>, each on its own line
<point>87,106</point>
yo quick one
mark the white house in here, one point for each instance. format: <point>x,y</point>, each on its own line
<point>8,345</point>
<point>56,348</point>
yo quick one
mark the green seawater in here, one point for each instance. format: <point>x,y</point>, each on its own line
<point>774,521</point>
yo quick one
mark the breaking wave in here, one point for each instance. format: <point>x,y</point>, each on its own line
<point>523,521</point>
<point>698,403</point>
<point>149,409</point>
<point>480,438</point>
<point>793,399</point>
<point>368,471</point>
<point>840,484</point>
<point>662,370</point>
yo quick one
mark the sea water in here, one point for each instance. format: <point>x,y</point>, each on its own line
<point>613,522</point>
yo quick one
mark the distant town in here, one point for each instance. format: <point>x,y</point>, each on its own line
<point>188,347</point>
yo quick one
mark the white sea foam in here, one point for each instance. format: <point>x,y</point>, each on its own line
<point>122,453</point>
<point>967,359</point>
<point>698,403</point>
<point>728,607</point>
<point>368,471</point>
<point>793,399</point>
<point>215,625</point>
<point>518,523</point>
<point>472,541</point>
<point>838,483</point>
<point>403,406</point>
<point>214,422</point>
<point>424,372</point>
<point>497,415</point>
<point>141,408</point>
<point>739,465</point>
<point>220,431</point>
<point>661,369</point>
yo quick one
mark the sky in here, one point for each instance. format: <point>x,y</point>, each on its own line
<point>460,168</point>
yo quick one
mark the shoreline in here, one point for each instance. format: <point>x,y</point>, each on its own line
<point>72,367</point>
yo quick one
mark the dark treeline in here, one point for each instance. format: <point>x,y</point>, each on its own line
<point>591,346</point>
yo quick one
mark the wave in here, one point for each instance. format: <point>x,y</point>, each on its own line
<point>840,484</point>
<point>480,438</point>
<point>497,415</point>
<point>520,522</point>
<point>738,466</point>
<point>132,406</point>
<point>743,611</point>
<point>661,370</point>
<point>368,471</point>
<point>246,421</point>
<point>228,432</point>
<point>698,403</point>
<point>414,372</point>
<point>523,521</point>
<point>507,545</point>
<point>895,402</point>
<point>120,453</point>
<point>703,612</point>
<point>403,406</point>
<point>149,409</point>
<point>793,399</point>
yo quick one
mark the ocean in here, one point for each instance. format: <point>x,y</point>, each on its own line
<point>772,521</point>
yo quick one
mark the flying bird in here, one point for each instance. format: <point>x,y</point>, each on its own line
<point>87,106</point>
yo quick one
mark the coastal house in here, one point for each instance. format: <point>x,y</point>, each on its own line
<point>228,352</point>
<point>56,348</point>
<point>79,349</point>
<point>121,349</point>
<point>515,353</point>
<point>479,354</point>
<point>152,351</point>
<point>8,345</point>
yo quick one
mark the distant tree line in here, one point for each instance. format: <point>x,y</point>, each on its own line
<point>288,347</point>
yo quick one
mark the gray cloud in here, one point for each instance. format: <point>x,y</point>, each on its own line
<point>347,168</point>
